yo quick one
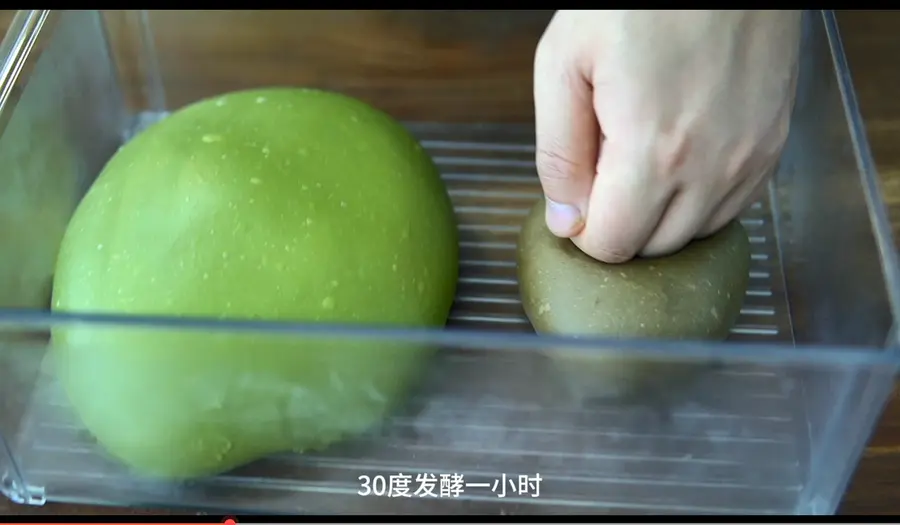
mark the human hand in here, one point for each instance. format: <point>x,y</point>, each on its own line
<point>658,127</point>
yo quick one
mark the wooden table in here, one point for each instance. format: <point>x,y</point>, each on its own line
<point>872,41</point>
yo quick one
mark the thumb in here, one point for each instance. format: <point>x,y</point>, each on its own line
<point>567,139</point>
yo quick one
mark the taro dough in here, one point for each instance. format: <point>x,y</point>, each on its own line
<point>693,294</point>
<point>273,204</point>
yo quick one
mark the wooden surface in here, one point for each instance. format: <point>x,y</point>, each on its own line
<point>375,49</point>
<point>872,40</point>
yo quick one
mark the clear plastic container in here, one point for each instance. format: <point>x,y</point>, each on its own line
<point>777,427</point>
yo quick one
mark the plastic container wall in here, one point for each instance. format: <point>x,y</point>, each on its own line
<point>777,428</point>
<point>63,116</point>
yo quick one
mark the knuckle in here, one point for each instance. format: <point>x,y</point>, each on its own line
<point>714,225</point>
<point>740,158</point>
<point>772,143</point>
<point>613,256</point>
<point>660,247</point>
<point>673,153</point>
<point>782,132</point>
<point>553,166</point>
<point>604,251</point>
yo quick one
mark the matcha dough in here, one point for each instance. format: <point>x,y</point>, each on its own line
<point>273,204</point>
<point>695,293</point>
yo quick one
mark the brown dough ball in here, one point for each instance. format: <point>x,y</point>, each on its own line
<point>693,294</point>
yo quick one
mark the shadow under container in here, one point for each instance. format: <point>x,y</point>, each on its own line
<point>777,427</point>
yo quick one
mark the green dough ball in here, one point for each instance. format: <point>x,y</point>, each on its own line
<point>273,204</point>
<point>693,294</point>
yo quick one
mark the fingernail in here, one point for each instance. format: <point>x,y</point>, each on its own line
<point>563,220</point>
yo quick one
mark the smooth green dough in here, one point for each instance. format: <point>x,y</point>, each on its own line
<point>275,204</point>
<point>694,294</point>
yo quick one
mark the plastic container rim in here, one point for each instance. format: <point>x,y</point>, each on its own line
<point>26,28</point>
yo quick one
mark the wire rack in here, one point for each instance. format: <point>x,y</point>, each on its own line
<point>485,426</point>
